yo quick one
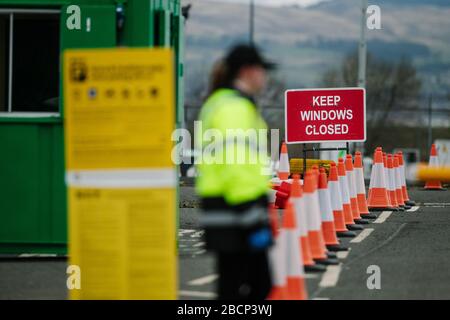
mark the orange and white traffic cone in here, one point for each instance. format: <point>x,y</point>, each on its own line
<point>277,260</point>
<point>345,196</point>
<point>403,178</point>
<point>315,170</point>
<point>358,170</point>
<point>378,195</point>
<point>336,204</point>
<point>284,169</point>
<point>372,173</point>
<point>312,208</point>
<point>296,287</point>
<point>434,162</point>
<point>398,184</point>
<point>386,179</point>
<point>350,176</point>
<point>391,183</point>
<point>302,227</point>
<point>328,230</point>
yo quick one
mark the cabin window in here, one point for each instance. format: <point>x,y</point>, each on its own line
<point>29,61</point>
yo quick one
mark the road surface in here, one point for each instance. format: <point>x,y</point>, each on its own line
<point>411,251</point>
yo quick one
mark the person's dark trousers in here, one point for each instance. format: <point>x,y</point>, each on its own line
<point>243,275</point>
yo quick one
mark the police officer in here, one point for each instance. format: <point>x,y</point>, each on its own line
<point>234,193</point>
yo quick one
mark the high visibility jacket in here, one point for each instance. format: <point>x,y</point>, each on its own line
<point>224,173</point>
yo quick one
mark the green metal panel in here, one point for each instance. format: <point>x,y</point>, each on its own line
<point>139,23</point>
<point>101,34</point>
<point>33,193</point>
<point>178,44</point>
<point>33,202</point>
<point>54,3</point>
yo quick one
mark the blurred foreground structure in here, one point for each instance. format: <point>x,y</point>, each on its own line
<point>33,34</point>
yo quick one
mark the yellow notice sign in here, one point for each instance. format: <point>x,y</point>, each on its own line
<point>119,108</point>
<point>124,242</point>
<point>119,117</point>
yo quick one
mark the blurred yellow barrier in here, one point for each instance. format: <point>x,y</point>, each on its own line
<point>426,173</point>
<point>296,164</point>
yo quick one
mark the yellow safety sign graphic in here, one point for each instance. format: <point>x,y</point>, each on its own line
<point>119,117</point>
<point>119,108</point>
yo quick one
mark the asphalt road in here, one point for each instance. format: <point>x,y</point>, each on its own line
<point>411,250</point>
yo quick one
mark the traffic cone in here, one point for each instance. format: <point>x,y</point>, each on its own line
<point>296,288</point>
<point>315,171</point>
<point>302,227</point>
<point>277,260</point>
<point>345,196</point>
<point>315,236</point>
<point>398,184</point>
<point>336,204</point>
<point>372,173</point>
<point>284,169</point>
<point>403,178</point>
<point>358,170</point>
<point>386,179</point>
<point>350,176</point>
<point>378,195</point>
<point>391,183</point>
<point>433,184</point>
<point>328,230</point>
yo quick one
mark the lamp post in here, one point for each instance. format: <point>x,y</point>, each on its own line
<point>251,21</point>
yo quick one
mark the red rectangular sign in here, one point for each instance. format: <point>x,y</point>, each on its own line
<point>325,115</point>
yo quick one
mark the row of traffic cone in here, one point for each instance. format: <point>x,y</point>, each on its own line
<point>387,189</point>
<point>321,210</point>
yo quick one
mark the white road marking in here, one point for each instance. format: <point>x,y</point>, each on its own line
<point>343,254</point>
<point>383,216</point>
<point>415,208</point>
<point>197,294</point>
<point>203,280</point>
<point>426,204</point>
<point>199,252</point>
<point>197,234</point>
<point>320,298</point>
<point>183,231</point>
<point>331,276</point>
<point>360,237</point>
<point>198,244</point>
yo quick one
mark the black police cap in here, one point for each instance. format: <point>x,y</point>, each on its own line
<point>246,55</point>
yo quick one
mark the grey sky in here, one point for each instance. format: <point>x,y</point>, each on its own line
<point>277,2</point>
